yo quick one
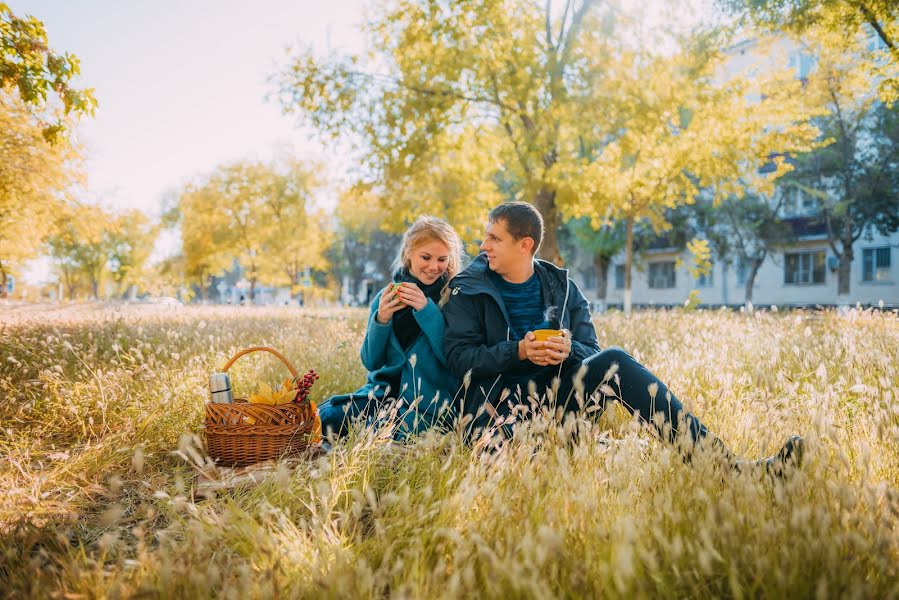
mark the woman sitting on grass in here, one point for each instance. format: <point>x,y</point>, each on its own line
<point>403,347</point>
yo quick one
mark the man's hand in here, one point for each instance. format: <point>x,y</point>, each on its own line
<point>558,348</point>
<point>554,351</point>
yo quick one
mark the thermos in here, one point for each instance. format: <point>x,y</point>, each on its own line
<point>220,388</point>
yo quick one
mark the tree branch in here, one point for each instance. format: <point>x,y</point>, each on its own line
<point>871,18</point>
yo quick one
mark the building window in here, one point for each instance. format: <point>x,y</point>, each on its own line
<point>804,268</point>
<point>876,264</point>
<point>619,277</point>
<point>706,279</point>
<point>661,275</point>
<point>802,63</point>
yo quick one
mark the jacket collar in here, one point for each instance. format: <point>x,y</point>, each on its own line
<point>475,278</point>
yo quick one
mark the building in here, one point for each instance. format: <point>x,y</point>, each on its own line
<point>804,273</point>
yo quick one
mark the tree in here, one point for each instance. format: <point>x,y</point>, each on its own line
<point>683,128</point>
<point>749,228</point>
<point>301,235</point>
<point>34,180</point>
<point>80,247</point>
<point>360,242</point>
<point>506,77</point>
<point>30,66</point>
<point>255,213</point>
<point>603,244</point>
<point>130,240</point>
<point>856,179</point>
<point>843,22</point>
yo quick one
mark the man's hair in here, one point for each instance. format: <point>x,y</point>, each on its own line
<point>522,220</point>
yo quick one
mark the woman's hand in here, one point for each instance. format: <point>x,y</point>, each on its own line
<point>412,295</point>
<point>390,303</point>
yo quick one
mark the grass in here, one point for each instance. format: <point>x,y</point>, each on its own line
<point>95,503</point>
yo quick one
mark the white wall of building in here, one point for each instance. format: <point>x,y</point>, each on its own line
<point>770,286</point>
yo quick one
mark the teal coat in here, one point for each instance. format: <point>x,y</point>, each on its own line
<point>428,380</point>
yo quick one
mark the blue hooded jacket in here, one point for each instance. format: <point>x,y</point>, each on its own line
<point>429,379</point>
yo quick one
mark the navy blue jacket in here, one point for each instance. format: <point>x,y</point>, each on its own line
<point>478,332</point>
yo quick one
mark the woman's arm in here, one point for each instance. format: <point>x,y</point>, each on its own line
<point>377,337</point>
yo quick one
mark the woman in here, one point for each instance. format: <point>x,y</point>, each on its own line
<point>403,347</point>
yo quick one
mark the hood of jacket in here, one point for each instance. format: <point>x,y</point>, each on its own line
<point>476,279</point>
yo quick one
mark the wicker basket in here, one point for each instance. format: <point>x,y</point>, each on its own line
<point>276,431</point>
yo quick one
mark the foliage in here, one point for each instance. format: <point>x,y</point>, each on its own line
<point>463,89</point>
<point>685,126</point>
<point>875,21</point>
<point>855,179</point>
<point>30,66</point>
<point>257,214</point>
<point>92,245</point>
<point>361,241</point>
<point>748,229</point>
<point>97,504</point>
<point>35,178</point>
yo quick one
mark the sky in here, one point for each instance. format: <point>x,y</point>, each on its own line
<point>181,85</point>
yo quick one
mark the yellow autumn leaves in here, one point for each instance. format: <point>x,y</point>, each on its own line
<point>272,397</point>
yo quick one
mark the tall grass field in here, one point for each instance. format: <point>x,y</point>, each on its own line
<point>99,406</point>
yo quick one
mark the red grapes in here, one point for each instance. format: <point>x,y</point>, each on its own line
<point>304,384</point>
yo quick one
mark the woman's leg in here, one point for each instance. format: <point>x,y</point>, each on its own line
<point>338,413</point>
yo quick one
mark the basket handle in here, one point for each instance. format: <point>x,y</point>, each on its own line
<point>261,349</point>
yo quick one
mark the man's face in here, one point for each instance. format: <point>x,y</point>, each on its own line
<point>505,254</point>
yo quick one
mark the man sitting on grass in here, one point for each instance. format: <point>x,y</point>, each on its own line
<point>506,294</point>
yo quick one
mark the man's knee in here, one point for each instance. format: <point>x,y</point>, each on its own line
<point>604,359</point>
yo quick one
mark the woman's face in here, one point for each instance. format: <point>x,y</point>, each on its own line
<point>428,261</point>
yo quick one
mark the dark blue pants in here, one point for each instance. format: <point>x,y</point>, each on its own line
<point>631,386</point>
<point>632,389</point>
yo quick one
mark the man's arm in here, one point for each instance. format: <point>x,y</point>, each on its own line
<point>465,342</point>
<point>583,333</point>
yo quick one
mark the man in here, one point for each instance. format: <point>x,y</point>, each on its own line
<point>495,306</point>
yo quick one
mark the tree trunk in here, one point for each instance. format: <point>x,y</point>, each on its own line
<point>754,267</point>
<point>252,289</point>
<point>601,264</point>
<point>844,272</point>
<point>3,293</point>
<point>95,287</point>
<point>545,202</point>
<point>628,263</point>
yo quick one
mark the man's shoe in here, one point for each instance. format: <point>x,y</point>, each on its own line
<point>788,458</point>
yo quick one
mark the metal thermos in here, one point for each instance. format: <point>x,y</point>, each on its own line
<point>220,388</point>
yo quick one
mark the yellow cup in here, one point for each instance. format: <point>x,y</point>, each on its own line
<point>544,334</point>
<point>396,286</point>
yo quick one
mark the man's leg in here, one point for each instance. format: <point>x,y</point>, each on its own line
<point>633,389</point>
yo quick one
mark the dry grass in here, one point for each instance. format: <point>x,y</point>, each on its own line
<point>93,402</point>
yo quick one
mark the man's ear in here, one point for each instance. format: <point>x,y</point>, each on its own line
<point>527,244</point>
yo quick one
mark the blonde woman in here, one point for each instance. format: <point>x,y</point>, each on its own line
<point>403,347</point>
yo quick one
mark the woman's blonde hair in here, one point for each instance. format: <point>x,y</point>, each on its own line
<point>428,229</point>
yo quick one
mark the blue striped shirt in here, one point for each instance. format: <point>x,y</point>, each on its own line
<point>524,304</point>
